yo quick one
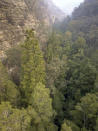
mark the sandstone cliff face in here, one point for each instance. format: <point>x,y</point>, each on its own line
<point>18,15</point>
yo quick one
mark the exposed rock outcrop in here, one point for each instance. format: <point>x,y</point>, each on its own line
<point>18,15</point>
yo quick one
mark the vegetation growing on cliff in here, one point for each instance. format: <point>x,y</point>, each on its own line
<point>57,89</point>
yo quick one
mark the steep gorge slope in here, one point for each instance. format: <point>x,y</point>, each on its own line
<point>85,22</point>
<point>18,15</point>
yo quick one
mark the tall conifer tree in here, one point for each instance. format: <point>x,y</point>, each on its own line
<point>33,66</point>
<point>33,83</point>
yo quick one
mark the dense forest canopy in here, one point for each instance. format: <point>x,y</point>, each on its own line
<point>54,88</point>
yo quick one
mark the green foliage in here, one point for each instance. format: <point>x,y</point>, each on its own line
<point>13,119</point>
<point>33,88</point>
<point>13,57</point>
<point>58,99</point>
<point>42,102</point>
<point>73,126</point>
<point>65,127</point>
<point>63,90</point>
<point>76,78</point>
<point>70,74</point>
<point>84,129</point>
<point>88,109</point>
<point>13,63</point>
<point>33,66</point>
<point>53,56</point>
<point>8,90</point>
<point>96,127</point>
